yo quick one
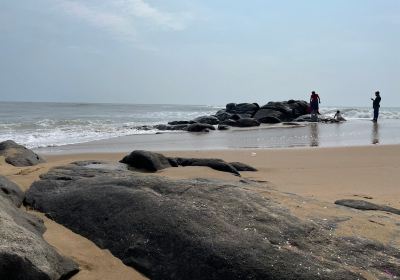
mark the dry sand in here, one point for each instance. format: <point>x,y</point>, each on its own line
<point>321,175</point>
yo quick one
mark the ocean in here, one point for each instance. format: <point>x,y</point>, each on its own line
<point>38,125</point>
<point>41,125</point>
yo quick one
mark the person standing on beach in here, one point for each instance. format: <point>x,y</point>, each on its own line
<point>314,103</point>
<point>376,104</point>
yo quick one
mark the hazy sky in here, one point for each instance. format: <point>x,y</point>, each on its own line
<point>200,51</point>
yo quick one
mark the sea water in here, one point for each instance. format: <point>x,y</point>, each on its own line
<point>55,124</point>
<point>39,125</point>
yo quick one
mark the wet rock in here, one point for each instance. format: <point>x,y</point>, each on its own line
<point>202,229</point>
<point>239,166</point>
<point>180,122</point>
<point>269,116</point>
<point>207,120</point>
<point>222,115</point>
<point>247,122</point>
<point>217,164</point>
<point>288,110</point>
<point>200,127</point>
<point>230,122</point>
<point>18,155</point>
<point>365,205</point>
<point>11,191</point>
<point>146,160</point>
<point>223,127</point>
<point>171,127</point>
<point>242,108</point>
<point>23,252</point>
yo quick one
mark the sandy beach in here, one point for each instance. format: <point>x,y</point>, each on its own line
<point>321,174</point>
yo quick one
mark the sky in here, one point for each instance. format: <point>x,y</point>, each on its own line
<point>200,51</point>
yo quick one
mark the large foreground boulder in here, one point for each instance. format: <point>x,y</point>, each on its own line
<point>23,252</point>
<point>11,191</point>
<point>18,155</point>
<point>203,229</point>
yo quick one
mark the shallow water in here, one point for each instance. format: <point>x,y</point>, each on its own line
<point>351,133</point>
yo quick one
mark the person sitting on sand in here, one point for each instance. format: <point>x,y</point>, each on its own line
<point>314,103</point>
<point>338,117</point>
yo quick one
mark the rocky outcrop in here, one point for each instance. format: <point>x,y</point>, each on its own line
<point>202,229</point>
<point>150,161</point>
<point>18,155</point>
<point>365,205</point>
<point>11,191</point>
<point>23,252</point>
<point>243,115</point>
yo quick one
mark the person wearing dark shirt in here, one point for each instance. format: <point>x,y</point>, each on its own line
<point>376,104</point>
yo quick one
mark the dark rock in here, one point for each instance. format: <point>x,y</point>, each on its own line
<point>365,205</point>
<point>247,108</point>
<point>162,126</point>
<point>214,163</point>
<point>303,118</point>
<point>23,252</point>
<point>223,127</point>
<point>230,107</point>
<point>180,122</point>
<point>247,122</point>
<point>146,160</point>
<point>229,122</point>
<point>11,191</point>
<point>222,115</point>
<point>242,108</point>
<point>18,155</point>
<point>171,127</point>
<point>269,116</point>
<point>207,120</point>
<point>199,127</point>
<point>282,107</point>
<point>289,109</point>
<point>203,229</point>
<point>235,117</point>
<point>179,127</point>
<point>239,166</point>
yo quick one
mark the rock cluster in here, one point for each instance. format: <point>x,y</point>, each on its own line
<point>24,254</point>
<point>201,228</point>
<point>18,155</point>
<point>242,115</point>
<point>152,162</point>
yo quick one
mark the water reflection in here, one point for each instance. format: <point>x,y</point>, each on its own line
<point>314,135</point>
<point>375,133</point>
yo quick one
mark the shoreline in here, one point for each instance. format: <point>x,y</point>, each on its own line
<point>348,134</point>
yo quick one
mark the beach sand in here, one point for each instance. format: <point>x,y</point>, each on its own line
<point>320,175</point>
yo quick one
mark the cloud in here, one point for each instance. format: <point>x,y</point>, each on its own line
<point>109,21</point>
<point>122,17</point>
<point>141,9</point>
